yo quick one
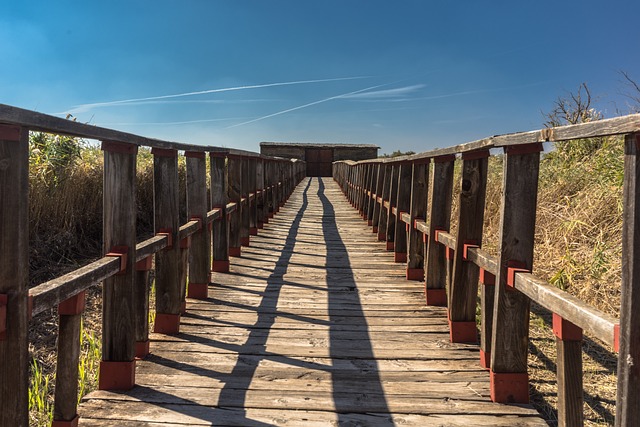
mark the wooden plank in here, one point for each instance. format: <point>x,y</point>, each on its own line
<point>119,229</point>
<point>166,219</point>
<point>511,309</point>
<point>218,193</point>
<point>66,380</point>
<point>234,191</point>
<point>393,200</point>
<point>245,212</point>
<point>627,410</point>
<point>403,205</point>
<point>197,207</point>
<point>14,274</point>
<point>464,282</point>
<point>384,193</point>
<point>569,369</point>
<point>439,219</point>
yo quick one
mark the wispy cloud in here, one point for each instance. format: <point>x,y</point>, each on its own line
<point>173,123</point>
<point>86,107</point>
<point>299,107</point>
<point>400,92</point>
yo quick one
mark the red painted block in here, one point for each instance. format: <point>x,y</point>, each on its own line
<point>485,359</point>
<point>400,257</point>
<point>142,349</point>
<point>487,278</point>
<point>145,264</point>
<point>390,246</point>
<point>121,252</point>
<point>235,252</point>
<point>198,290</point>
<point>375,229</point>
<point>436,297</point>
<point>220,266</point>
<point>73,305</point>
<point>382,237</point>
<point>70,423</point>
<point>167,324</point>
<point>463,332</point>
<point>514,267</point>
<point>260,225</point>
<point>509,387</point>
<point>245,241</point>
<point>253,231</point>
<point>117,375</point>
<point>415,274</point>
<point>565,330</point>
<point>369,222</point>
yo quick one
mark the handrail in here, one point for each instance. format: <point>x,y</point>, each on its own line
<point>413,216</point>
<point>246,189</point>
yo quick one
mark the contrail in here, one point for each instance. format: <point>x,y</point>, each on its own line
<point>344,95</point>
<point>227,89</point>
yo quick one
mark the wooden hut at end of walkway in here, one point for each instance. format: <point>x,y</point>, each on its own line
<point>319,157</point>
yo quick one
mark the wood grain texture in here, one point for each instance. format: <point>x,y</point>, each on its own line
<point>627,408</point>
<point>378,192</point>
<point>403,204</point>
<point>14,276</point>
<point>418,209</point>
<point>197,207</point>
<point>569,371</point>
<point>303,331</point>
<point>219,183</point>
<point>119,229</point>
<point>464,282</point>
<point>166,202</point>
<point>393,200</point>
<point>517,225</point>
<point>439,219</point>
<point>234,192</point>
<point>245,189</point>
<point>66,380</point>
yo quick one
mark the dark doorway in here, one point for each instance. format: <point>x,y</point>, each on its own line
<point>319,161</point>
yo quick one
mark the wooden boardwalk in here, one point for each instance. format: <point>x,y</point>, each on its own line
<point>315,325</point>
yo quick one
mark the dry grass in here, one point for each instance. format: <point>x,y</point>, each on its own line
<point>578,246</point>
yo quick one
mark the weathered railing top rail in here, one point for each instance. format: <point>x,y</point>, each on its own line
<point>46,123</point>
<point>608,127</point>
<point>402,193</point>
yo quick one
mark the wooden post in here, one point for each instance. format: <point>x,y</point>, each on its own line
<point>439,219</point>
<point>219,199</point>
<point>373,179</point>
<point>197,207</point>
<point>375,220</point>
<point>66,388</point>
<point>14,275</point>
<point>569,363</point>
<point>464,283</point>
<point>508,374</point>
<point>117,369</point>
<point>260,194</point>
<point>245,212</point>
<point>253,189</point>
<point>627,407</point>
<point>418,210</point>
<point>366,186</point>
<point>403,205</point>
<point>167,221</point>
<point>382,222</point>
<point>235,196</point>
<point>274,188</point>
<point>141,306</point>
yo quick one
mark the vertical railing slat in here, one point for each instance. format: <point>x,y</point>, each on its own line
<point>219,199</point>
<point>197,207</point>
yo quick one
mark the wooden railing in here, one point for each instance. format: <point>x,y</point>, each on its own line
<point>392,193</point>
<point>246,189</point>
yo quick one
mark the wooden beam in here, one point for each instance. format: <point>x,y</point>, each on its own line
<point>417,211</point>
<point>219,200</point>
<point>197,207</point>
<point>119,236</point>
<point>14,275</point>
<point>403,206</point>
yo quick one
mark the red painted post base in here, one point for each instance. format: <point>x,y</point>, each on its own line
<point>400,257</point>
<point>375,229</point>
<point>198,290</point>
<point>220,266</point>
<point>485,359</point>
<point>436,297</point>
<point>142,349</point>
<point>61,423</point>
<point>167,324</point>
<point>253,231</point>
<point>382,236</point>
<point>117,375</point>
<point>369,222</point>
<point>463,332</point>
<point>245,241</point>
<point>415,274</point>
<point>235,252</point>
<point>270,215</point>
<point>260,225</point>
<point>390,246</point>
<point>509,387</point>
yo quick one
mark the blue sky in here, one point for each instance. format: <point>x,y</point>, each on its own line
<point>409,75</point>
